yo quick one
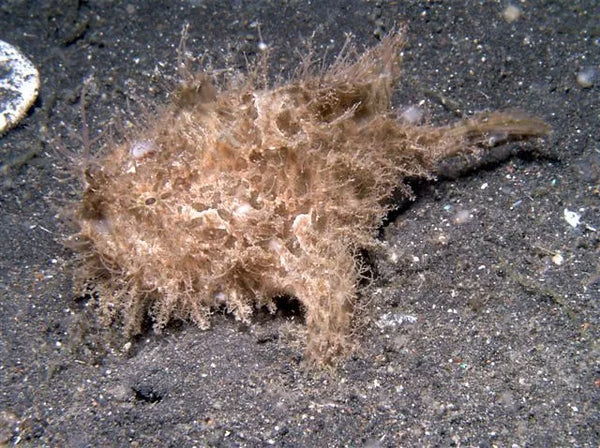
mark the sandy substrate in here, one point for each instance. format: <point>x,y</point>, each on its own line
<point>483,316</point>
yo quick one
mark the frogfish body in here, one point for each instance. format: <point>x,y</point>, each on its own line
<point>232,197</point>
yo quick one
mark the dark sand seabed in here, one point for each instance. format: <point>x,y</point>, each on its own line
<point>484,308</point>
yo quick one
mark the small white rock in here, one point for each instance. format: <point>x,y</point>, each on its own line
<point>19,86</point>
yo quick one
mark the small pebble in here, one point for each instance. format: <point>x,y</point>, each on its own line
<point>558,259</point>
<point>587,77</point>
<point>511,13</point>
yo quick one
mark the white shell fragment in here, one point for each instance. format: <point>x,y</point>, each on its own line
<point>558,259</point>
<point>19,86</point>
<point>572,218</point>
<point>393,320</point>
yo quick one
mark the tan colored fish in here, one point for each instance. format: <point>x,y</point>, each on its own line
<point>236,195</point>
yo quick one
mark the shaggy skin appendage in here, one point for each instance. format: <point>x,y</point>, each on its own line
<point>232,197</point>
